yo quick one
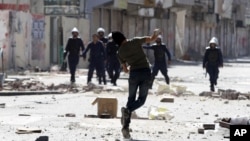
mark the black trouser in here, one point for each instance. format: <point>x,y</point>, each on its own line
<point>73,62</point>
<point>213,72</point>
<point>114,69</point>
<point>97,65</point>
<point>160,66</point>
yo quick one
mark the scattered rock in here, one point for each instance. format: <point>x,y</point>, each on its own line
<point>216,115</point>
<point>108,134</point>
<point>226,102</point>
<point>201,131</point>
<point>209,126</point>
<point>24,115</point>
<point>70,115</point>
<point>230,94</point>
<point>206,114</point>
<point>208,94</point>
<point>2,105</point>
<point>170,100</point>
<point>160,132</point>
<point>226,94</point>
<point>248,105</point>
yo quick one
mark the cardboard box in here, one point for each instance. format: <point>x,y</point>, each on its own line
<point>106,106</point>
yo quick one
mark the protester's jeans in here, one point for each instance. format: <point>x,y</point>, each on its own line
<point>139,78</point>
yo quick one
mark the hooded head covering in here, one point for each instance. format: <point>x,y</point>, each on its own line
<point>75,30</point>
<point>118,37</point>
<point>214,40</point>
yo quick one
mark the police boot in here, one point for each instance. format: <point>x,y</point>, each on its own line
<point>212,87</point>
<point>100,80</point>
<point>104,80</point>
<point>114,82</point>
<point>167,79</point>
<point>72,79</point>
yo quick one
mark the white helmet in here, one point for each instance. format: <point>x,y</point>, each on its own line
<point>110,35</point>
<point>100,29</point>
<point>159,36</point>
<point>214,40</point>
<point>75,30</point>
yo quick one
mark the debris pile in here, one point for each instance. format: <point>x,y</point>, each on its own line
<point>32,85</point>
<point>226,94</point>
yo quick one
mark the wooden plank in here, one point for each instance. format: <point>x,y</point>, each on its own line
<point>28,130</point>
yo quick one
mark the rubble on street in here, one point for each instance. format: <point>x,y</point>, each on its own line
<point>227,94</point>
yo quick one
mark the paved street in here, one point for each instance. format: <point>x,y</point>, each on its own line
<point>190,111</point>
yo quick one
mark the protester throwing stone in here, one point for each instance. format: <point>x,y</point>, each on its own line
<point>134,62</point>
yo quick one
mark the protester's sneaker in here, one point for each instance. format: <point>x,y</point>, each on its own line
<point>125,133</point>
<point>167,80</point>
<point>125,115</point>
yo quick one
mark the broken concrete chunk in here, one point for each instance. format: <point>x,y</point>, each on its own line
<point>70,115</point>
<point>170,100</point>
<point>209,126</point>
<point>201,131</point>
<point>242,97</point>
<point>2,105</point>
<point>24,115</point>
<point>224,124</point>
<point>206,94</point>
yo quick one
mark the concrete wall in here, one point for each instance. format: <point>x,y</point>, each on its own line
<point>4,36</point>
<point>23,40</point>
<point>233,41</point>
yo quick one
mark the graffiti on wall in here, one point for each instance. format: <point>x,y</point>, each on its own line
<point>38,45</point>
